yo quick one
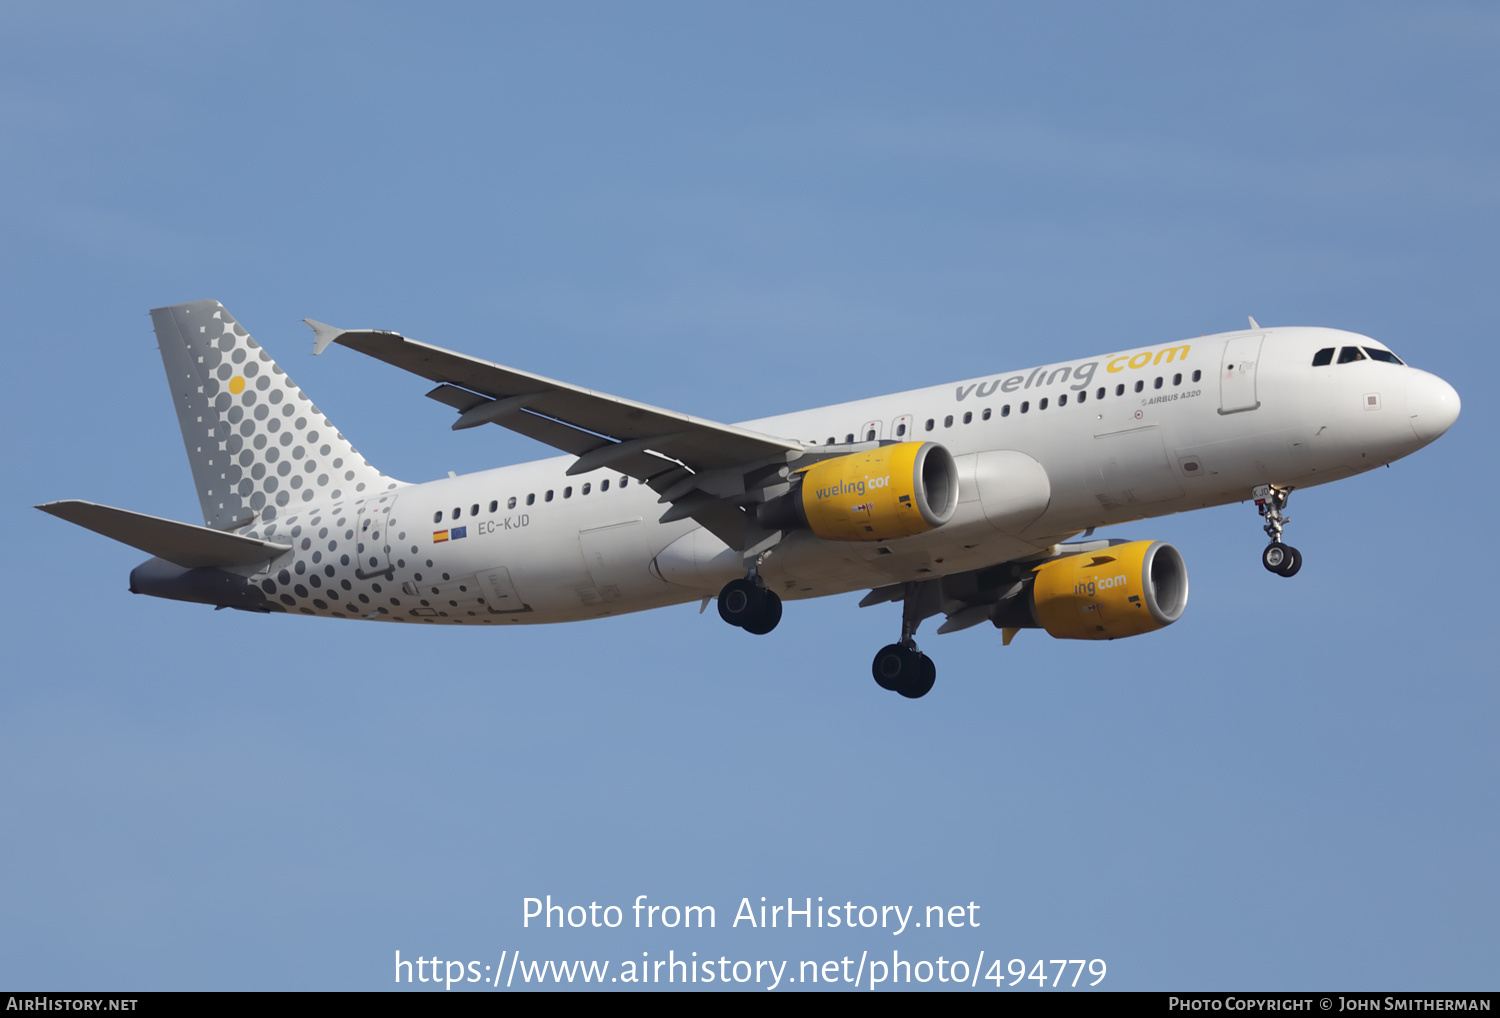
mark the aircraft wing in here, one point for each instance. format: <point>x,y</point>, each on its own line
<point>599,424</point>
<point>979,595</point>
<point>698,465</point>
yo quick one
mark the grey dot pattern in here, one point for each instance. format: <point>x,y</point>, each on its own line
<point>247,425</point>
<point>260,448</point>
<point>306,581</point>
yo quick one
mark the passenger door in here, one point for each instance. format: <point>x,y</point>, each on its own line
<point>1237,374</point>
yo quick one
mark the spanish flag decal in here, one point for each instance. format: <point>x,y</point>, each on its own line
<point>439,536</point>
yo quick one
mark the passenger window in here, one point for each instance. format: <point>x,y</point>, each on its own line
<point>474,509</point>
<point>511,503</point>
<point>1323,357</point>
<point>531,499</point>
<point>1197,375</point>
<point>547,497</point>
<point>850,438</point>
<point>1140,386</point>
<point>1384,356</point>
<point>1062,400</point>
<point>457,512</point>
<point>869,435</point>
<point>604,484</point>
<point>1120,389</point>
<point>1157,383</point>
<point>586,489</point>
<point>1083,396</point>
<point>1005,410</point>
<point>1042,404</point>
<point>568,491</point>
<point>1177,378</point>
<point>986,415</point>
<point>900,430</point>
<point>1100,393</point>
<point>1349,354</point>
<point>830,440</point>
<point>968,417</point>
<point>948,421</point>
<point>437,517</point>
<point>624,481</point>
<point>494,505</point>
<point>929,423</point>
<point>1025,406</point>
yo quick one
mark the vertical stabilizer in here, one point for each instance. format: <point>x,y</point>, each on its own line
<point>256,443</point>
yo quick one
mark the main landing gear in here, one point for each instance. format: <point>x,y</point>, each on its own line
<point>1270,502</point>
<point>748,604</point>
<point>901,667</point>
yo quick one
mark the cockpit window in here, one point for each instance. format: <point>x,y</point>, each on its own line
<point>1323,357</point>
<point>1350,353</point>
<point>1384,356</point>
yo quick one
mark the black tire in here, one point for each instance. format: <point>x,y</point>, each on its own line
<point>1274,558</point>
<point>921,682</point>
<point>1293,564</point>
<point>740,602</point>
<point>768,616</point>
<point>891,666</point>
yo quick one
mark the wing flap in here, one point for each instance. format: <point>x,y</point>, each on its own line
<point>639,464</point>
<point>183,544</point>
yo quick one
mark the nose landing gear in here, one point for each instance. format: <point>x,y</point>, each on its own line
<point>1270,502</point>
<point>1281,559</point>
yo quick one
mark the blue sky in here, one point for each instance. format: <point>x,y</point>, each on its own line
<point>735,212</point>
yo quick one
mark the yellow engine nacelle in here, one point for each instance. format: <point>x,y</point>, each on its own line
<point>893,491</point>
<point>1124,590</point>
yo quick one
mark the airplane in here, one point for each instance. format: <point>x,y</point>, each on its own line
<point>976,500</point>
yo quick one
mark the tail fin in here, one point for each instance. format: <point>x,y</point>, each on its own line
<point>256,443</point>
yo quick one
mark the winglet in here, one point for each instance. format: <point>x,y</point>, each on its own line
<point>1253,323</point>
<point>323,335</point>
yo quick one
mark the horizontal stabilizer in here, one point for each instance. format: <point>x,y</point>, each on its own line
<point>183,544</point>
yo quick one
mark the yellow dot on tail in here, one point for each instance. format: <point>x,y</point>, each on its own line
<point>236,385</point>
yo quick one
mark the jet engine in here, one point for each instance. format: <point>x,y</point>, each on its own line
<point>892,491</point>
<point>1123,590</point>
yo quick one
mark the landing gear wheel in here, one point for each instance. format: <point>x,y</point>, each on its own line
<point>921,683</point>
<point>1290,569</point>
<point>891,663</point>
<point>753,608</point>
<point>768,616</point>
<point>1281,559</point>
<point>740,602</point>
<point>904,670</point>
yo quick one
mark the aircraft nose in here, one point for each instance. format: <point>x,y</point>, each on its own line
<point>1433,405</point>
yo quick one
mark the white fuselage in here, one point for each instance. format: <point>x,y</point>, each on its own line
<point>1042,454</point>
